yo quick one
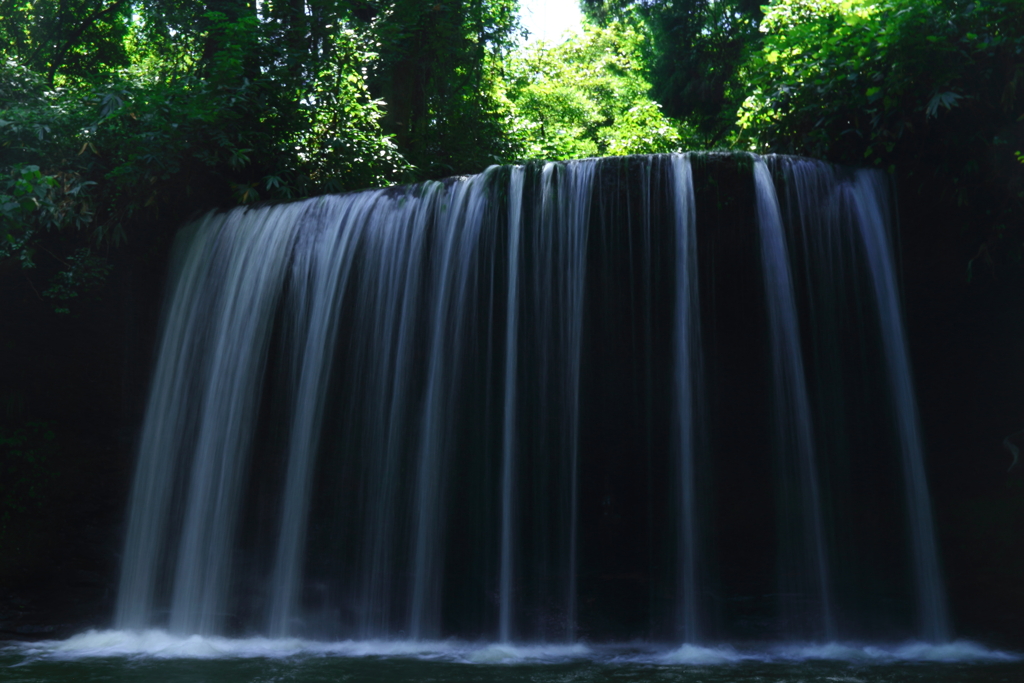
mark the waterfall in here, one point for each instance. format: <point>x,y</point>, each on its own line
<point>325,265</point>
<point>792,403</point>
<point>392,277</point>
<point>934,621</point>
<point>545,402</point>
<point>687,363</point>
<point>508,436</point>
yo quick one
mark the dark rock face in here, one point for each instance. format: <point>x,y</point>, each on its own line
<point>968,359</point>
<point>83,375</point>
<point>60,570</point>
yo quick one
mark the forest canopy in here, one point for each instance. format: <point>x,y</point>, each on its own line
<point>126,116</point>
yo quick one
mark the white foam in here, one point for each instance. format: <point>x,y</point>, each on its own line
<point>162,645</point>
<point>508,653</point>
<point>914,651</point>
<point>698,655</point>
<point>956,651</point>
<point>159,644</point>
<point>156,644</point>
<point>843,652</point>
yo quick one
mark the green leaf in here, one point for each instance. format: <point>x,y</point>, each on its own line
<point>948,100</point>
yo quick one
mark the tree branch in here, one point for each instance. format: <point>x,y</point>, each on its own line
<point>76,35</point>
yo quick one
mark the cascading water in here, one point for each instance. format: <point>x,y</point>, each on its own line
<point>793,421</point>
<point>687,375</point>
<point>934,621</point>
<point>541,403</point>
<point>508,434</point>
<point>855,209</point>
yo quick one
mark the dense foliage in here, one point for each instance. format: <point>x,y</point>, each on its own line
<point>194,109</point>
<point>931,89</point>
<point>588,97</point>
<point>694,56</point>
<point>437,68</point>
<point>852,79</point>
<point>129,113</point>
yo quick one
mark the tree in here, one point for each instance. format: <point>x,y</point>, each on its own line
<point>74,38</point>
<point>695,49</point>
<point>588,97</point>
<point>437,66</point>
<point>216,107</point>
<point>931,89</point>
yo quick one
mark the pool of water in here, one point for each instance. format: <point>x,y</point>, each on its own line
<point>156,657</point>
